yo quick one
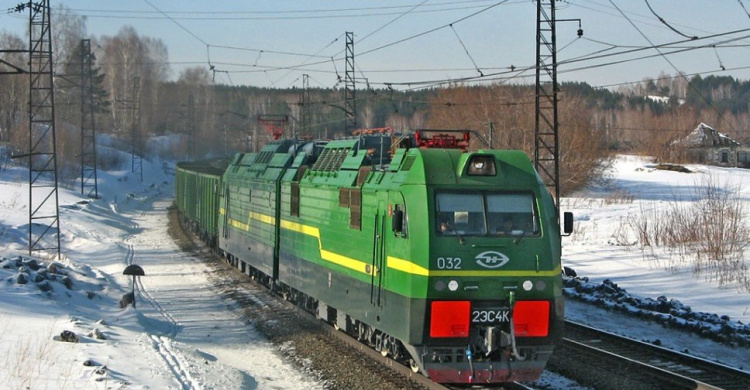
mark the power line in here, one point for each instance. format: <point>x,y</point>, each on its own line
<point>721,117</point>
<point>743,8</point>
<point>434,29</point>
<point>467,51</point>
<point>664,22</point>
<point>177,23</point>
<point>287,53</point>
<point>393,20</point>
<point>366,12</point>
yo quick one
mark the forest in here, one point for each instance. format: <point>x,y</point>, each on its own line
<point>135,90</point>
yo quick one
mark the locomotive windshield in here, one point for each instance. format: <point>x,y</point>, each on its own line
<point>486,213</point>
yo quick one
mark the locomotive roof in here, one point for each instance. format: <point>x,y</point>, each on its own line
<point>215,166</point>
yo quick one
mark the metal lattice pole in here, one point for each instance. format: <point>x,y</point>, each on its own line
<point>191,127</point>
<point>44,216</point>
<point>306,109</point>
<point>88,130</point>
<point>349,84</point>
<point>135,130</point>
<point>546,152</point>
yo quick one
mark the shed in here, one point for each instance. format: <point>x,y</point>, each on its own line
<point>708,146</point>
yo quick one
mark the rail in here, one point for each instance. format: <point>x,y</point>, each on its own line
<point>672,369</point>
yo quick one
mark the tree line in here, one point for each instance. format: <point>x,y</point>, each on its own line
<point>133,90</point>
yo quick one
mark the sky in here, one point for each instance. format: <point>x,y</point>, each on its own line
<point>184,332</point>
<point>417,44</point>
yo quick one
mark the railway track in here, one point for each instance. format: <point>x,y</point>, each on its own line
<point>638,363</point>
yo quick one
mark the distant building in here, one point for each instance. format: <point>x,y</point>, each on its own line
<point>743,154</point>
<point>705,145</point>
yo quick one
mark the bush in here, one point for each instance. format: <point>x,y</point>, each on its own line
<point>709,234</point>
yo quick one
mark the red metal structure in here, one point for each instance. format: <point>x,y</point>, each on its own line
<point>442,139</point>
<point>274,124</point>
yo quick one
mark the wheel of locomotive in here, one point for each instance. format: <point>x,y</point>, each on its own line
<point>379,343</point>
<point>385,345</point>
<point>394,348</point>
<point>413,365</point>
<point>360,328</point>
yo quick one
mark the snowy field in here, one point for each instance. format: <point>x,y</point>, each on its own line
<point>184,335</point>
<point>604,245</point>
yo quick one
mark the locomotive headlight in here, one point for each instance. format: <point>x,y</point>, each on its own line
<point>453,285</point>
<point>440,285</point>
<point>540,285</point>
<point>527,285</point>
<point>481,165</point>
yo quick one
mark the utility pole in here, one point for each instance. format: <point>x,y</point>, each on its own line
<point>136,151</point>
<point>546,145</point>
<point>350,86</point>
<point>133,105</point>
<point>191,127</point>
<point>44,215</point>
<point>306,112</point>
<point>88,130</point>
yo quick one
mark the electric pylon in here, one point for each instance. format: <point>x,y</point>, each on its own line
<point>136,151</point>
<point>44,215</point>
<point>88,130</point>
<point>546,151</point>
<point>306,109</point>
<point>191,127</point>
<point>350,104</point>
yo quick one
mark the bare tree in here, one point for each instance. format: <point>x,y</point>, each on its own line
<point>14,90</point>
<point>583,152</point>
<point>129,59</point>
<point>197,82</point>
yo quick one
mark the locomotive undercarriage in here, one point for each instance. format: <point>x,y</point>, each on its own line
<point>385,344</point>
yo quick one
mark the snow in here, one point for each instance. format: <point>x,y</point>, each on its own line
<point>654,293</point>
<point>184,335</point>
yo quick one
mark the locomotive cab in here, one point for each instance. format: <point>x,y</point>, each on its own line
<point>493,294</point>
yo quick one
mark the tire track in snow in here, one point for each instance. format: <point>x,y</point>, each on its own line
<point>162,344</point>
<point>176,363</point>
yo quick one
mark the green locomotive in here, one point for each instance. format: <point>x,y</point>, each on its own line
<point>444,259</point>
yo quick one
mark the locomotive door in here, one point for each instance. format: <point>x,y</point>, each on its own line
<point>378,255</point>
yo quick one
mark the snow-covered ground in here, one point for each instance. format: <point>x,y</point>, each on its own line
<point>649,293</point>
<point>184,335</point>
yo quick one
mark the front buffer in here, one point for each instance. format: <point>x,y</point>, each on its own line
<point>488,342</point>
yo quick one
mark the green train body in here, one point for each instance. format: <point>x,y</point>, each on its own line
<point>447,259</point>
<point>197,187</point>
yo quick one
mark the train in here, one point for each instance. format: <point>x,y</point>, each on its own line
<point>445,259</point>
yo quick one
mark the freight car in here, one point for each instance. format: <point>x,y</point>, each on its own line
<point>197,196</point>
<point>444,259</point>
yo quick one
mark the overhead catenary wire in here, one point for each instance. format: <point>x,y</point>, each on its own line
<point>743,8</point>
<point>492,74</point>
<point>467,51</point>
<point>433,29</point>
<point>721,117</point>
<point>500,76</point>
<point>279,15</point>
<point>667,24</point>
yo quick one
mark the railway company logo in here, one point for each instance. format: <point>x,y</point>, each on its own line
<point>492,259</point>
